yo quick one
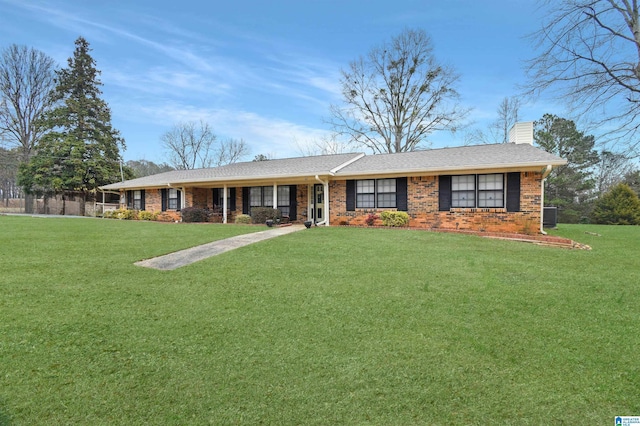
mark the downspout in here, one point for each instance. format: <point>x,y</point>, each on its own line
<point>326,201</point>
<point>545,173</point>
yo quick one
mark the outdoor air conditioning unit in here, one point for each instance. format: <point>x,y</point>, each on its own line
<point>550,217</point>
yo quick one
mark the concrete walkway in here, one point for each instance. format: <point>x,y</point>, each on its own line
<point>188,256</point>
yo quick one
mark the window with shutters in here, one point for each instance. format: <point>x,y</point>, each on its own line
<point>463,191</point>
<point>482,191</point>
<point>172,199</point>
<point>137,200</point>
<point>376,193</point>
<point>262,196</point>
<point>284,200</point>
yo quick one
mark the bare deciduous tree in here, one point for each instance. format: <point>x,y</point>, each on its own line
<point>26,80</point>
<point>507,116</point>
<point>231,151</point>
<point>498,131</point>
<point>326,145</point>
<point>397,95</point>
<point>590,57</point>
<point>193,145</point>
<point>611,170</point>
<point>189,145</point>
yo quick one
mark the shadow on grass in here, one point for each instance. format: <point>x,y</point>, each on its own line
<point>5,418</point>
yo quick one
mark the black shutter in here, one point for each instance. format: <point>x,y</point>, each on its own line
<point>163,197</point>
<point>444,193</point>
<point>178,192</point>
<point>293,203</point>
<point>245,200</point>
<point>142,206</point>
<point>351,195</point>
<point>513,192</point>
<point>130,200</point>
<point>401,194</point>
<point>216,197</point>
<point>232,201</point>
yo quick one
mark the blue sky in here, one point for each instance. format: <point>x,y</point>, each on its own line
<point>267,71</point>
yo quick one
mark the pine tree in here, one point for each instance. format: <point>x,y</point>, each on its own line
<point>569,187</point>
<point>81,151</point>
<point>620,206</point>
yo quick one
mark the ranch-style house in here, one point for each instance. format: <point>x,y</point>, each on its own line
<point>496,188</point>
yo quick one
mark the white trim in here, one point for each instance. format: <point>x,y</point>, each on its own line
<point>224,203</point>
<point>342,166</point>
<point>325,187</point>
<point>275,196</point>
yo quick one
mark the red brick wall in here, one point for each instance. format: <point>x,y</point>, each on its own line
<point>302,197</point>
<point>422,192</point>
<point>422,197</point>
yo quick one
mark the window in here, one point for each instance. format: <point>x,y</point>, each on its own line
<point>365,194</point>
<point>255,196</point>
<point>482,191</point>
<point>137,200</point>
<point>262,196</point>
<point>386,193</point>
<point>267,196</point>
<point>218,199</point>
<point>284,197</point>
<point>376,193</point>
<point>173,199</point>
<point>463,191</point>
<point>491,190</point>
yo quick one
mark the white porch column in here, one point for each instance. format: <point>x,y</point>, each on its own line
<point>275,195</point>
<point>224,203</point>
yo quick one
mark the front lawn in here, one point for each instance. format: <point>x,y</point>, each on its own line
<point>322,326</point>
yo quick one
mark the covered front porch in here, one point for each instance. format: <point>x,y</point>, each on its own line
<point>297,201</point>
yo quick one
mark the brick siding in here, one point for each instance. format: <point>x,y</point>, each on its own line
<point>422,203</point>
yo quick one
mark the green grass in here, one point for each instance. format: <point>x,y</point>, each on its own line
<point>323,326</point>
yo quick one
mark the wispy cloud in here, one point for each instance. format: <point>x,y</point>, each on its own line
<point>263,134</point>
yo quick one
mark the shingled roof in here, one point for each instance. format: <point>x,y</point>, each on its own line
<point>270,169</point>
<point>457,159</point>
<point>434,161</point>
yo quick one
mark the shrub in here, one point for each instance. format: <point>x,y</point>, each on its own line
<point>194,214</point>
<point>371,219</point>
<point>261,214</point>
<point>393,218</point>
<point>243,219</point>
<point>123,214</point>
<point>620,206</point>
<point>126,214</point>
<point>145,215</point>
